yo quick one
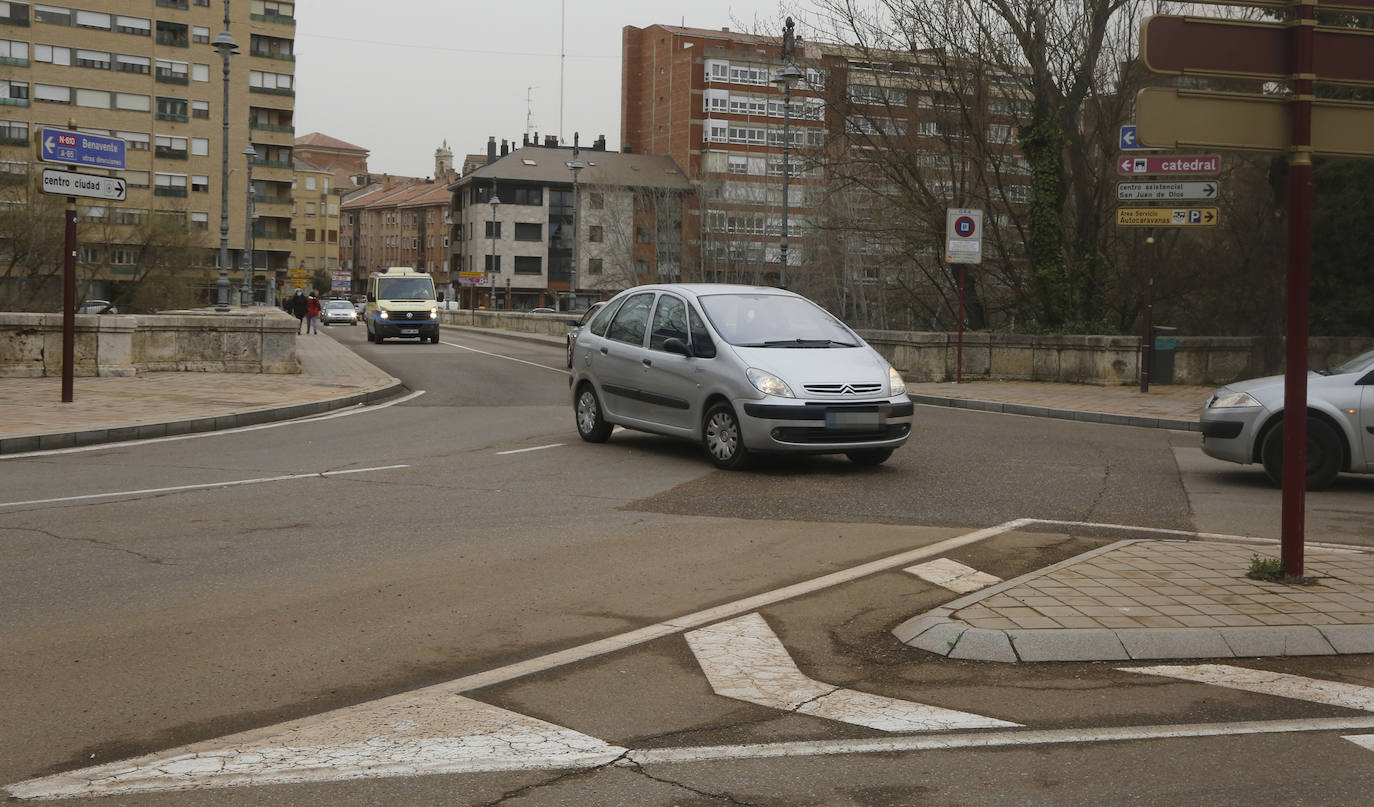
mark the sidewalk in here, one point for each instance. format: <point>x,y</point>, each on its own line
<point>106,410</point>
<point>1163,407</point>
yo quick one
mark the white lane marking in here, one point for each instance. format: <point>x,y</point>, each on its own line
<point>177,488</point>
<point>1365,741</point>
<point>953,575</point>
<point>559,370</point>
<point>534,448</point>
<point>988,739</point>
<point>400,736</point>
<point>360,409</point>
<point>1298,687</point>
<point>744,660</point>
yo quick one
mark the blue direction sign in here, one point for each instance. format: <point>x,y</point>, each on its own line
<point>1129,142</point>
<point>79,148</point>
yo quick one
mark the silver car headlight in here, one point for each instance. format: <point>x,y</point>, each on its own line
<point>895,382</point>
<point>768,384</point>
<point>1233,400</point>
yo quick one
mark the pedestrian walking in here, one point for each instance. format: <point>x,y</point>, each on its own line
<point>297,306</point>
<point>312,314</point>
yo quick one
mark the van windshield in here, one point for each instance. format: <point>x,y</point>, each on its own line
<point>774,320</point>
<point>405,288</point>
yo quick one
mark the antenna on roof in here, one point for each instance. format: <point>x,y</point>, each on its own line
<point>529,110</point>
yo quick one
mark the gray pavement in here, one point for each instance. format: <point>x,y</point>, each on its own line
<point>1135,599</point>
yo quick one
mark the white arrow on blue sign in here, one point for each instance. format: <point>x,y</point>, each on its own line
<point>1129,142</point>
<point>79,148</point>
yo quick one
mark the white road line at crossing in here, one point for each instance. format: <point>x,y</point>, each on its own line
<point>399,736</point>
<point>989,739</point>
<point>1298,687</point>
<point>203,486</point>
<point>953,575</point>
<point>744,660</point>
<point>360,409</point>
<point>533,448</point>
<point>559,370</point>
<point>1365,741</point>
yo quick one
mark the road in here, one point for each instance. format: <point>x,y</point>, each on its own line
<point>466,534</point>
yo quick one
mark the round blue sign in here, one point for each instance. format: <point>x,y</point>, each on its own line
<point>964,226</point>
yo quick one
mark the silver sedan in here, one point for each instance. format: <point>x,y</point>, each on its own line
<point>1243,422</point>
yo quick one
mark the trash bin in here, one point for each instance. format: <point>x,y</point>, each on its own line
<point>1162,356</point>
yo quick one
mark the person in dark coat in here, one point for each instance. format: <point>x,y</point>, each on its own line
<point>298,308</point>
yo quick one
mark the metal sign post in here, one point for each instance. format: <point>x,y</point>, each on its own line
<point>963,245</point>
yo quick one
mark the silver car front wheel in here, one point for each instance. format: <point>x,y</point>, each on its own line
<point>721,437</point>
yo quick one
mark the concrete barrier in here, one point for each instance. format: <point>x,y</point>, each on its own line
<point>249,341</point>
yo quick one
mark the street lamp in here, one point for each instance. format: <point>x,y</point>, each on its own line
<point>784,78</point>
<point>491,262</point>
<point>225,44</point>
<point>246,295</point>
<point>575,167</point>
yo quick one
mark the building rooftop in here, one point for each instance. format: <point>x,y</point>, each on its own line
<point>549,166</point>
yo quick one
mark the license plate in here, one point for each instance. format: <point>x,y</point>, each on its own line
<point>852,420</point>
<point>410,332</point>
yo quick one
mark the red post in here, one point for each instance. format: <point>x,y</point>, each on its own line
<point>959,350</point>
<point>1147,337</point>
<point>69,301</point>
<point>1299,270</point>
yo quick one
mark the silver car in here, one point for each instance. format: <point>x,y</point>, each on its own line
<point>338,311</point>
<point>1243,422</point>
<point>740,369</point>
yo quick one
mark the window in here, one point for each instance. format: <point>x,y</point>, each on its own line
<point>172,72</point>
<point>999,133</point>
<point>13,133</point>
<point>631,320</point>
<point>133,25</point>
<point>745,74</point>
<point>493,229</point>
<point>593,266</point>
<point>200,183</point>
<point>93,98</point>
<point>310,183</point>
<point>334,237</point>
<point>641,235</point>
<point>528,232</point>
<point>529,265</point>
<point>310,235</point>
<point>172,109</point>
<point>928,128</point>
<point>274,10</point>
<point>12,52</point>
<point>52,93</point>
<point>595,234</point>
<point>717,70</point>
<point>169,184</point>
<point>596,200</point>
<point>135,179</point>
<point>173,34</point>
<point>670,320</point>
<point>52,55</point>
<point>132,64</point>
<point>716,131</point>
<point>493,263</point>
<point>717,101</point>
<point>170,147</point>
<point>130,101</point>
<point>200,221</point>
<point>94,59</point>
<point>93,19</point>
<point>277,83</point>
<point>200,109</point>
<point>200,35</point>
<point>200,146</point>
<point>310,208</point>
<point>123,256</point>
<point>52,14</point>
<point>200,72</point>
<point>14,14</point>
<point>14,91</point>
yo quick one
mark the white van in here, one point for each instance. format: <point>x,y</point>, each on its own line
<point>401,302</point>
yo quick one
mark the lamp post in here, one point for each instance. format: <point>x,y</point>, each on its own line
<point>575,167</point>
<point>491,268</point>
<point>784,78</point>
<point>225,44</point>
<point>246,295</point>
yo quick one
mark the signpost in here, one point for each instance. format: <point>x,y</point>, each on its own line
<point>1167,217</point>
<point>79,148</point>
<point>1188,118</point>
<point>76,148</point>
<point>1165,191</point>
<point>963,245</point>
<point>1128,140</point>
<point>1206,165</point>
<point>1237,49</point>
<point>71,183</point>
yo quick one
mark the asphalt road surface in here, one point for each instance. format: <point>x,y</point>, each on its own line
<point>232,582</point>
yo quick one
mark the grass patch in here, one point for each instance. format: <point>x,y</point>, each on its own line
<point>1270,570</point>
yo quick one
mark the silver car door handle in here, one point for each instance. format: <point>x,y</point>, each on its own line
<point>604,352</point>
<point>647,363</point>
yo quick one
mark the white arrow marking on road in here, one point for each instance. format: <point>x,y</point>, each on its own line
<point>398,736</point>
<point>744,660</point>
<point>1298,687</point>
<point>953,575</point>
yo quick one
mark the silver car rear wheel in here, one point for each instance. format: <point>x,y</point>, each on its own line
<point>591,426</point>
<point>721,436</point>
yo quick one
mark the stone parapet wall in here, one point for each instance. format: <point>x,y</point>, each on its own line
<point>252,341</point>
<point>1106,360</point>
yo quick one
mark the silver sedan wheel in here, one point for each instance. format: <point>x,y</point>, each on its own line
<point>722,435</point>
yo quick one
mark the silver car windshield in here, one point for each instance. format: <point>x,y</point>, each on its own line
<point>774,320</point>
<point>1360,362</point>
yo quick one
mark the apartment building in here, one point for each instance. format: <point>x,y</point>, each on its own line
<point>709,99</point>
<point>519,253</point>
<point>146,71</point>
<point>315,228</point>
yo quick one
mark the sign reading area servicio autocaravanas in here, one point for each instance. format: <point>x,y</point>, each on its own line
<point>1167,217</point>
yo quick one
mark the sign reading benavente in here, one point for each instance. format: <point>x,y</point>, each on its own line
<point>79,148</point>
<point>70,183</point>
<point>1165,191</point>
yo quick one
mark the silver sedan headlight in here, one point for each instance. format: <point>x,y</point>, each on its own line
<point>1232,400</point>
<point>768,384</point>
<point>895,382</point>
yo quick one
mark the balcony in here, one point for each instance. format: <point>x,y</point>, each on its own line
<point>273,91</point>
<point>14,141</point>
<point>173,41</point>
<point>172,116</point>
<point>163,190</point>
<point>266,199</point>
<point>165,153</point>
<point>274,18</point>
<point>14,102</point>
<point>181,4</point>
<point>267,54</point>
<point>14,61</point>
<point>272,127</point>
<point>173,78</point>
<point>273,164</point>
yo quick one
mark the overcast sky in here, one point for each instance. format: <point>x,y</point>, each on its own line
<point>400,77</point>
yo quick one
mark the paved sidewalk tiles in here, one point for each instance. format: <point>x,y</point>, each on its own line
<point>1158,599</point>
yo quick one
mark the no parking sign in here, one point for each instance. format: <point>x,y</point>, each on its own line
<point>963,235</point>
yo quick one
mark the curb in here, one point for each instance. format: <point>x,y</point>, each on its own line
<point>148,431</point>
<point>1061,414</point>
<point>937,631</point>
<point>536,338</point>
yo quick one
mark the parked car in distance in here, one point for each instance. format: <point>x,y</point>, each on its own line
<point>338,311</point>
<point>575,325</point>
<point>1243,422</point>
<point>542,311</point>
<point>740,369</point>
<point>96,307</point>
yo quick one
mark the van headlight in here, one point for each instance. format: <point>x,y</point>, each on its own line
<point>895,382</point>
<point>382,314</point>
<point>433,313</point>
<point>768,384</point>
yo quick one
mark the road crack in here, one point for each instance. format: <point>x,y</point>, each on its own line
<point>96,542</point>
